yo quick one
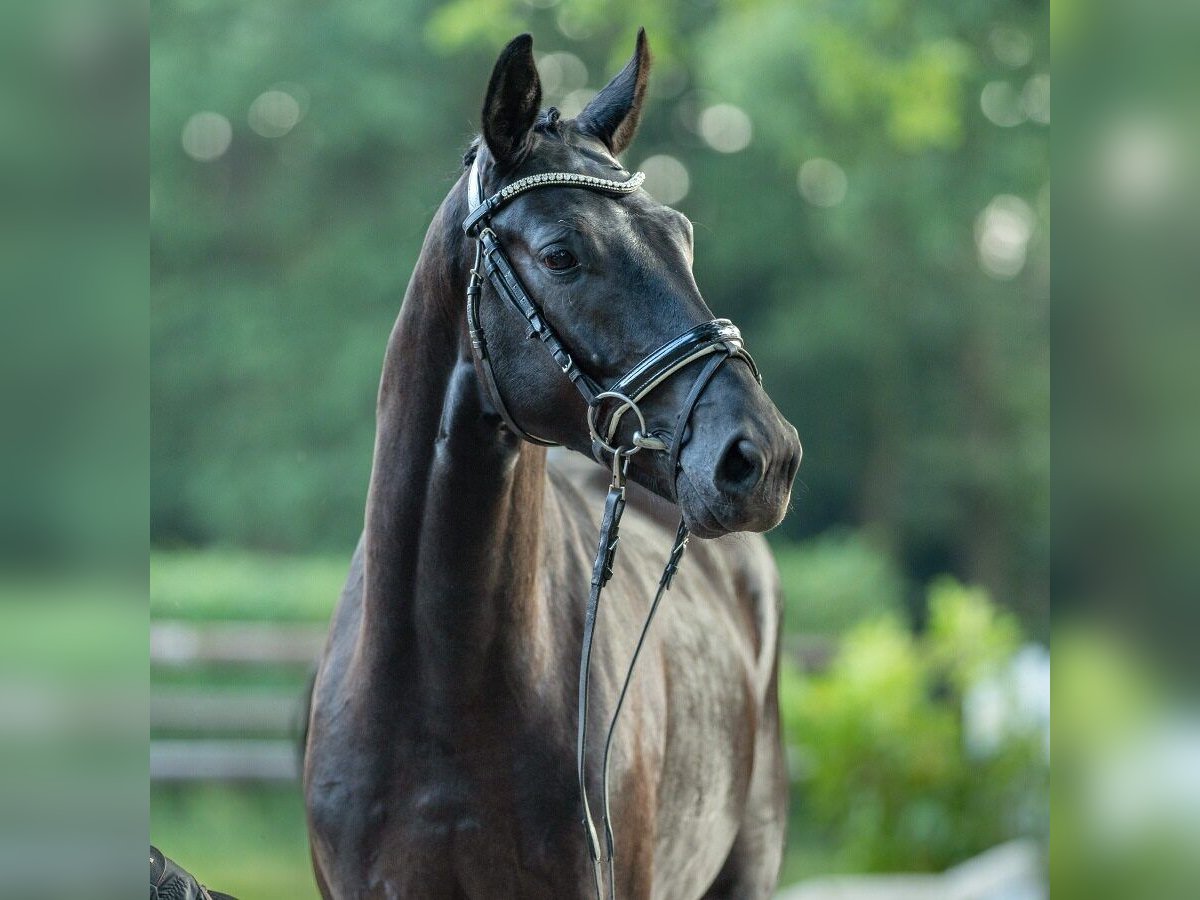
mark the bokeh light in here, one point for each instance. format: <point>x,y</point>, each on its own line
<point>1152,782</point>
<point>1137,162</point>
<point>667,178</point>
<point>1035,99</point>
<point>206,136</point>
<point>1002,233</point>
<point>822,182</point>
<point>274,113</point>
<point>1001,104</point>
<point>573,103</point>
<point>1011,46</point>
<point>726,128</point>
<point>1013,700</point>
<point>572,24</point>
<point>561,73</point>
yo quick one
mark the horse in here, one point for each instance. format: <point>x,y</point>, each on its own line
<point>440,752</point>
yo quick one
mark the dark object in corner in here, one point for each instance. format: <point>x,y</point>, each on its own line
<point>170,882</point>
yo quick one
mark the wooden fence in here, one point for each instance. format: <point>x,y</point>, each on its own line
<point>226,724</point>
<point>227,699</point>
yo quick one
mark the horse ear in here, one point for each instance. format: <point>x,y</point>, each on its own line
<point>613,113</point>
<point>514,95</point>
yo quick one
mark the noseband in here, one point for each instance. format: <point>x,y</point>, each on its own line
<point>718,340</point>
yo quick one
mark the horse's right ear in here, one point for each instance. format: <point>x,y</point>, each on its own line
<point>514,96</point>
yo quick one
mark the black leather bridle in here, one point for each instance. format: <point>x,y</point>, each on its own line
<point>717,340</point>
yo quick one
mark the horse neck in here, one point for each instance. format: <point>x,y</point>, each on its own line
<point>454,510</point>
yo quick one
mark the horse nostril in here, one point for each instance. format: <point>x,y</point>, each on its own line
<point>740,468</point>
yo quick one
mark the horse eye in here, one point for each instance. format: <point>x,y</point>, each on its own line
<point>559,260</point>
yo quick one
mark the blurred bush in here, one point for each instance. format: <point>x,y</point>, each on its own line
<point>1126,793</point>
<point>916,752</point>
<point>835,581</point>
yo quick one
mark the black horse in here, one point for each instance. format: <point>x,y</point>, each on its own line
<point>440,759</point>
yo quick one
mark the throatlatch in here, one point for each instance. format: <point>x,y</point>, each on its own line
<point>719,340</point>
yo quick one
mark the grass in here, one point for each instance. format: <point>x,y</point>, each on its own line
<point>249,842</point>
<point>236,585</point>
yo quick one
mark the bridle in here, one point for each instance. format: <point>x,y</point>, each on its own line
<point>718,340</point>
<point>715,341</point>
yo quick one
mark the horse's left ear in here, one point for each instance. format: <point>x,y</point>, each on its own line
<point>613,113</point>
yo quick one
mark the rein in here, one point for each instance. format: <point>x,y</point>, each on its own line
<point>718,340</point>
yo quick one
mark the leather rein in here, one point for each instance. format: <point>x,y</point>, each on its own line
<point>717,340</point>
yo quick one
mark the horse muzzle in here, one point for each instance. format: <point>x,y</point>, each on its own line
<point>737,467</point>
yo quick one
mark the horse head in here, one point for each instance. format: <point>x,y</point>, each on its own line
<point>611,273</point>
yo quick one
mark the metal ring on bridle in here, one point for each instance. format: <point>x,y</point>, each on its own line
<point>625,403</point>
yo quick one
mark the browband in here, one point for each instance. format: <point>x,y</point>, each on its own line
<point>481,209</point>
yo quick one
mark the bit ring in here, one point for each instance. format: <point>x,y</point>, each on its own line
<point>625,403</point>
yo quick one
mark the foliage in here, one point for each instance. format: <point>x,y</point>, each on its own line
<point>1125,813</point>
<point>881,751</point>
<point>835,581</point>
<point>918,378</point>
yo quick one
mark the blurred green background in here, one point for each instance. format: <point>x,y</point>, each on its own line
<point>869,184</point>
